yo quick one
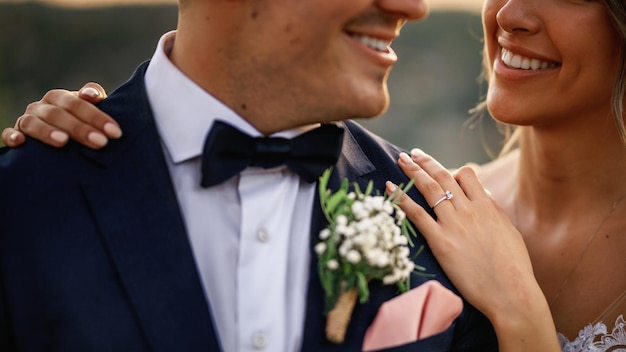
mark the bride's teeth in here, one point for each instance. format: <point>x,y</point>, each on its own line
<point>516,61</point>
<point>521,62</point>
<point>535,64</point>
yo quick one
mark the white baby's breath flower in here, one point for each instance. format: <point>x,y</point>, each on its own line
<point>375,203</point>
<point>388,207</point>
<point>369,241</point>
<point>353,256</point>
<point>350,231</point>
<point>400,216</point>
<point>359,211</point>
<point>403,252</point>
<point>389,279</point>
<point>358,240</point>
<point>332,264</point>
<point>382,261</point>
<point>364,225</point>
<point>401,240</point>
<point>346,231</point>
<point>342,220</point>
<point>372,255</point>
<point>344,248</point>
<point>320,248</point>
<point>325,234</point>
<point>377,258</point>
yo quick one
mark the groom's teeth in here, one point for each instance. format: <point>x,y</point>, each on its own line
<point>374,43</point>
<point>524,63</point>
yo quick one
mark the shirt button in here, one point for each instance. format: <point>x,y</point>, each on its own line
<point>262,235</point>
<point>259,341</point>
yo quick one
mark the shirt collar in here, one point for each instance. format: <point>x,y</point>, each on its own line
<point>183,111</point>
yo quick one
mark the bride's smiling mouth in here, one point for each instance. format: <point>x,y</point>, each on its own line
<point>517,61</point>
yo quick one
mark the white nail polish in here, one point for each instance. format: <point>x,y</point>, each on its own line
<point>112,130</point>
<point>405,158</point>
<point>98,139</point>
<point>59,136</point>
<point>91,92</point>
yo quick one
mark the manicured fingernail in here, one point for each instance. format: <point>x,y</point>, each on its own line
<point>391,187</point>
<point>13,136</point>
<point>404,157</point>
<point>112,130</point>
<point>90,92</point>
<point>98,139</point>
<point>416,151</point>
<point>59,136</point>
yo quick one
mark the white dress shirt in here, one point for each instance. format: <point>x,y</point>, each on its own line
<point>250,234</point>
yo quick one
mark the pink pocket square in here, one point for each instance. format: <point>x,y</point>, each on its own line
<point>421,312</point>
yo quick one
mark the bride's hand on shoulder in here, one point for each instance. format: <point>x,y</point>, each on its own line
<point>472,238</point>
<point>476,244</point>
<point>61,115</point>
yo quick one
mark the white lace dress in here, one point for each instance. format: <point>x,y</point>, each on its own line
<point>597,338</point>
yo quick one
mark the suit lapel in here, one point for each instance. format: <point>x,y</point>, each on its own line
<point>145,235</point>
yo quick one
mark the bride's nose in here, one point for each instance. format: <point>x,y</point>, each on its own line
<point>518,16</point>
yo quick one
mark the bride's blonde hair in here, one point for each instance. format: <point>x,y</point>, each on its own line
<point>617,10</point>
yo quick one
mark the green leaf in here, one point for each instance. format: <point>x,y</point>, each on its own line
<point>334,202</point>
<point>370,188</point>
<point>323,181</point>
<point>364,292</point>
<point>407,228</point>
<point>395,196</point>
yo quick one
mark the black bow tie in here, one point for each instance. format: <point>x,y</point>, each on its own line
<point>228,151</point>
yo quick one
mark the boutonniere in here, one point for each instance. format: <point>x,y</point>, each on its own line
<point>368,238</point>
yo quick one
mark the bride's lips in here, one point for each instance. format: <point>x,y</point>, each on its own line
<point>516,63</point>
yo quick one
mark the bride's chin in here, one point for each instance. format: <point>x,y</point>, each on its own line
<point>507,114</point>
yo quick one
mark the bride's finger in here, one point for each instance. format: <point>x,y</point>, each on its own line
<point>12,137</point>
<point>467,178</point>
<point>436,196</point>
<point>415,212</point>
<point>440,175</point>
<point>433,168</point>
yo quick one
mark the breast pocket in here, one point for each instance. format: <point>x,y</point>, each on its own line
<point>437,343</point>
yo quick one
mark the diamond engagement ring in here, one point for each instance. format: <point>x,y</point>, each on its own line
<point>446,196</point>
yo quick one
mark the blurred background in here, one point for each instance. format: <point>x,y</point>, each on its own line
<point>63,44</point>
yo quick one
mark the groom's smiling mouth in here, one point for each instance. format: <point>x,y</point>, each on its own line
<point>380,45</point>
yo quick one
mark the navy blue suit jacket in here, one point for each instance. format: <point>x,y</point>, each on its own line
<point>94,255</point>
